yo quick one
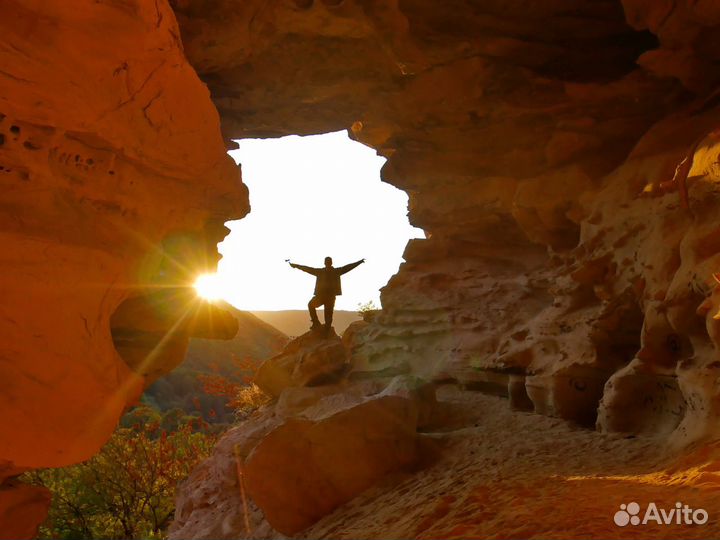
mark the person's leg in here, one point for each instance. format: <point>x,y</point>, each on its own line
<point>329,308</point>
<point>314,303</point>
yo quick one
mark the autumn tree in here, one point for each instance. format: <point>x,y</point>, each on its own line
<point>242,394</point>
<point>128,489</point>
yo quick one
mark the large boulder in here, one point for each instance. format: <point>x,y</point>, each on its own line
<point>307,467</point>
<point>209,504</point>
<point>312,359</point>
<point>314,450</point>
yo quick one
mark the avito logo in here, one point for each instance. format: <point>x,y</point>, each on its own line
<point>682,514</point>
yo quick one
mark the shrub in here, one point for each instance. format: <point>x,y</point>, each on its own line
<point>243,396</point>
<point>367,310</point>
<point>248,399</point>
<point>128,489</point>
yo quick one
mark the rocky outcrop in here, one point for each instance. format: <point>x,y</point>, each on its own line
<point>537,145</point>
<point>687,35</point>
<point>288,466</point>
<point>315,358</point>
<point>115,186</point>
<point>308,466</point>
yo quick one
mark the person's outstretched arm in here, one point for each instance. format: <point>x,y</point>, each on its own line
<point>345,269</point>
<point>307,269</point>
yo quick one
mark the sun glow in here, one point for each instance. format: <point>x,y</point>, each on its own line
<point>209,287</point>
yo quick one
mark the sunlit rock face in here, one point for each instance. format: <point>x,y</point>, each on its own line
<point>537,142</point>
<point>317,357</point>
<point>296,460</point>
<point>115,181</point>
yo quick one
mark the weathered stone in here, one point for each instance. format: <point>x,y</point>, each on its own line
<point>115,184</point>
<point>308,466</point>
<point>295,399</point>
<point>501,131</point>
<point>209,504</point>
<point>518,394</point>
<point>22,510</point>
<point>304,456</point>
<point>312,359</point>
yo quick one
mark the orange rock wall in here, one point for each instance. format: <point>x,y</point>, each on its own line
<point>109,146</point>
<point>537,143</point>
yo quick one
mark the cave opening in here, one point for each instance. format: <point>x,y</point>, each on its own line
<point>311,197</point>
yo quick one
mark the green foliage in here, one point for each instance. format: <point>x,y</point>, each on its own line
<point>184,387</point>
<point>367,307</point>
<point>367,310</point>
<point>127,490</point>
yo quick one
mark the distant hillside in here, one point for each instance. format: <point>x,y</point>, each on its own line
<point>256,339</point>
<point>181,389</point>
<point>296,322</point>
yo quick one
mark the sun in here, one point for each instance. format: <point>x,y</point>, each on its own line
<point>208,286</point>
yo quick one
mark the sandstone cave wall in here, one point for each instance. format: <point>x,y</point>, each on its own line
<point>115,185</point>
<point>537,142</point>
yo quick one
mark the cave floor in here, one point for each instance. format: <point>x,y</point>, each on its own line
<point>508,474</point>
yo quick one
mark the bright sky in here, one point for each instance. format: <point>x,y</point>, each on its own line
<point>311,197</point>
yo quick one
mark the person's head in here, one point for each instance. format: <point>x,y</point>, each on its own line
<point>328,262</point>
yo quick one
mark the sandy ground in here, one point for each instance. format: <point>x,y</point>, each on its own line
<point>510,474</point>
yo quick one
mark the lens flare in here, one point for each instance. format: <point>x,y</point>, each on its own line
<point>208,286</point>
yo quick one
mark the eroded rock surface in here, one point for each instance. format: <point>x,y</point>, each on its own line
<point>563,266</point>
<point>315,358</point>
<point>308,466</point>
<point>299,463</point>
<point>515,475</point>
<point>115,183</point>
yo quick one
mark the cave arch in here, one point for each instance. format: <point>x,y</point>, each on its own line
<point>110,143</point>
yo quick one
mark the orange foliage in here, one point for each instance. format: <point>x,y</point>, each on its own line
<point>128,489</point>
<point>242,395</point>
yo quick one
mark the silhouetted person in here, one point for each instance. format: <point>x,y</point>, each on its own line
<point>327,287</point>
